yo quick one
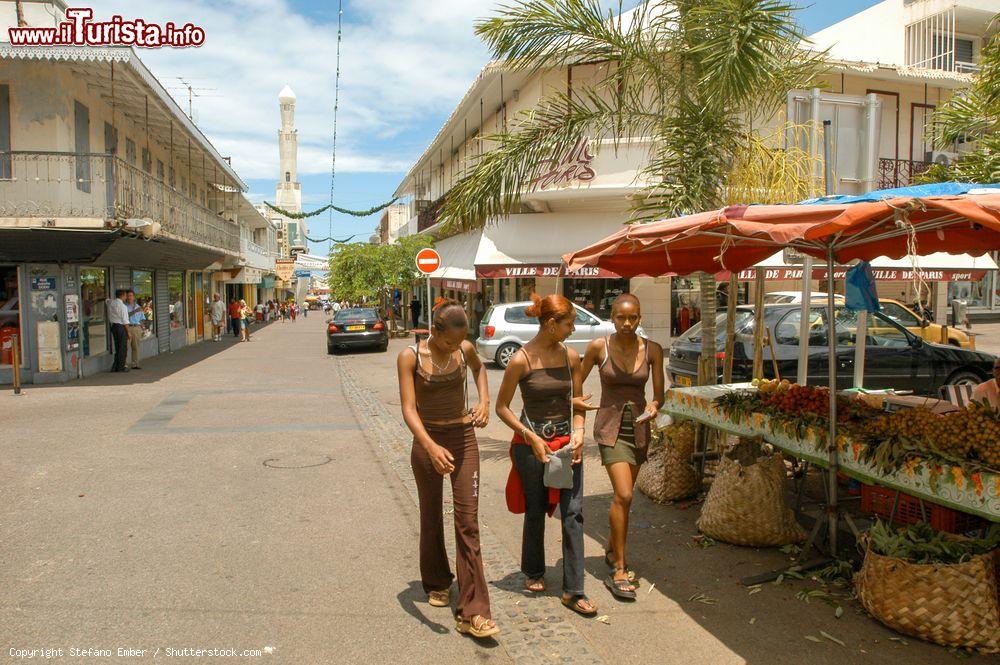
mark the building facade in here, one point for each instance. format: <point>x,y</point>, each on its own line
<point>105,183</point>
<point>880,113</point>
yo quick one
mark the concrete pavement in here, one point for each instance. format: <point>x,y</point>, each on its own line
<point>256,497</point>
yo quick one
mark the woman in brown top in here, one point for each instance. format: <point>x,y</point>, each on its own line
<point>548,374</point>
<point>433,392</point>
<point>625,363</point>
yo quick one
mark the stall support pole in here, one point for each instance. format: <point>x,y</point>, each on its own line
<point>16,360</point>
<point>832,508</point>
<point>727,363</point>
<point>807,268</point>
<point>860,346</point>
<point>758,330</point>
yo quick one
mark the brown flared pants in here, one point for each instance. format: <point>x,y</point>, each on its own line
<point>435,569</point>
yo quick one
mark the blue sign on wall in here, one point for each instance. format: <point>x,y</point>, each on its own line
<point>43,283</point>
<point>303,273</point>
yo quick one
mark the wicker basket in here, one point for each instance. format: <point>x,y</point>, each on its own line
<point>956,605</point>
<point>746,504</point>
<point>668,474</point>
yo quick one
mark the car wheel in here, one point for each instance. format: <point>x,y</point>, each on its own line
<point>964,378</point>
<point>954,342</point>
<point>330,350</point>
<point>505,353</point>
<point>384,346</point>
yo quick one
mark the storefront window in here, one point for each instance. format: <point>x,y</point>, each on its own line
<point>524,287</point>
<point>683,305</point>
<point>93,291</point>
<point>975,294</point>
<point>175,286</point>
<point>10,315</point>
<point>595,295</point>
<point>142,284</point>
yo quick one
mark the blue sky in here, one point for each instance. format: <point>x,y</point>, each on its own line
<point>404,66</point>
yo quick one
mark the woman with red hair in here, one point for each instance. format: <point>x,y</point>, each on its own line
<point>548,374</point>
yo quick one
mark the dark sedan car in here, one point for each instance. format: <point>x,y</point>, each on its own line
<point>358,326</point>
<point>895,357</point>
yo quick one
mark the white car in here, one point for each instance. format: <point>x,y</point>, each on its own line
<point>795,297</point>
<point>506,328</point>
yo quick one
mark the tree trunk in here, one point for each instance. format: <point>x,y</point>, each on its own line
<point>19,8</point>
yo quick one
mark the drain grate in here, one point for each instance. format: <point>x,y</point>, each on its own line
<point>297,461</point>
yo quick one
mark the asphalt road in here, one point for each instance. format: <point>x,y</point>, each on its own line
<point>255,497</point>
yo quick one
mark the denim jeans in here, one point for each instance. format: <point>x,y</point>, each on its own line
<point>536,499</point>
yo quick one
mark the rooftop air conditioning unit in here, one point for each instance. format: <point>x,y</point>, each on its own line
<point>943,157</point>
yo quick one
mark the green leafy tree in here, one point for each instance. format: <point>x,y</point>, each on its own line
<point>687,76</point>
<point>972,115</point>
<point>365,270</point>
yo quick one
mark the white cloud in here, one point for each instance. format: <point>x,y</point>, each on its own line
<point>402,62</point>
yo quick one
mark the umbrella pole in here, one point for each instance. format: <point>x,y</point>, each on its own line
<point>832,508</point>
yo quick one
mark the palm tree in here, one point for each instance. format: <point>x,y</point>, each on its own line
<point>688,76</point>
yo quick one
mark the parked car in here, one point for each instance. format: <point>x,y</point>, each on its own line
<point>895,358</point>
<point>506,328</point>
<point>900,312</point>
<point>356,327</point>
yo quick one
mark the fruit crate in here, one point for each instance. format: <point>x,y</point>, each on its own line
<point>878,501</point>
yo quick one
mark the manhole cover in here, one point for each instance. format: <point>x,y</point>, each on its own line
<point>297,461</point>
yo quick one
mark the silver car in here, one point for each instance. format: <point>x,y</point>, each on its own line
<point>506,328</point>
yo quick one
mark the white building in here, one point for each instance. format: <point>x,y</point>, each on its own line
<point>879,111</point>
<point>288,192</point>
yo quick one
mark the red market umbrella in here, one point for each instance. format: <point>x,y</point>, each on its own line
<point>738,237</point>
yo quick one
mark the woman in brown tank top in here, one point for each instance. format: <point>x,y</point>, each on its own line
<point>625,361</point>
<point>548,374</point>
<point>433,392</point>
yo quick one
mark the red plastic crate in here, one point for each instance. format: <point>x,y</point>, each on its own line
<point>878,501</point>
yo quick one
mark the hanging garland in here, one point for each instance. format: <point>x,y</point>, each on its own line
<point>355,213</point>
<point>339,242</point>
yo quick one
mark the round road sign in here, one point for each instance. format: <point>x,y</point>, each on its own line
<point>428,260</point>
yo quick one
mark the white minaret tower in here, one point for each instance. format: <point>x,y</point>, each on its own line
<point>289,194</point>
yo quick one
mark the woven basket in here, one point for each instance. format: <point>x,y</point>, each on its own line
<point>746,504</point>
<point>956,605</point>
<point>668,474</point>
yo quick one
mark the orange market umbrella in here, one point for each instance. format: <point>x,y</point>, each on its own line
<point>738,237</point>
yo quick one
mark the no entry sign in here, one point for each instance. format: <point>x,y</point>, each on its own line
<point>428,260</point>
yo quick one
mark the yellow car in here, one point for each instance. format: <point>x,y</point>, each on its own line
<point>931,332</point>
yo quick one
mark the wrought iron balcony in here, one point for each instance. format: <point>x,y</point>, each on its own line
<point>899,172</point>
<point>97,185</point>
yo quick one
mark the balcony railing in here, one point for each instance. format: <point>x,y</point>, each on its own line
<point>57,184</point>
<point>899,172</point>
<point>256,256</point>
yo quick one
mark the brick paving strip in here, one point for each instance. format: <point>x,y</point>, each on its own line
<point>534,629</point>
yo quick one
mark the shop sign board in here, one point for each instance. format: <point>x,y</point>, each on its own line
<point>463,285</point>
<point>43,283</point>
<point>543,270</point>
<point>284,268</point>
<point>72,304</point>
<point>881,274</point>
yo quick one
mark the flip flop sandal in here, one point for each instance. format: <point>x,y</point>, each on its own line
<point>611,568</point>
<point>539,583</point>
<point>480,631</point>
<point>574,603</point>
<point>619,588</point>
<point>439,598</point>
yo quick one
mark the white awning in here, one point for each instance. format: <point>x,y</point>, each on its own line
<point>458,256</point>
<point>543,238</point>
<point>939,267</point>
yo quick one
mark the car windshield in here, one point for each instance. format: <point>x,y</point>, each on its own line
<point>744,325</point>
<point>778,299</point>
<point>353,314</point>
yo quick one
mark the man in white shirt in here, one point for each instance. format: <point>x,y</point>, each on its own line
<point>218,313</point>
<point>118,317</point>
<point>989,391</point>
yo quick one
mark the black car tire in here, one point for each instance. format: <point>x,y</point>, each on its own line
<point>505,353</point>
<point>384,346</point>
<point>964,378</point>
<point>330,349</point>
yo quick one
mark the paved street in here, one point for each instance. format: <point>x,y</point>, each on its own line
<point>257,496</point>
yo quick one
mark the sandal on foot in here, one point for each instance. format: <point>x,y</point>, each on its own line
<point>535,585</point>
<point>576,603</point>
<point>620,589</point>
<point>478,626</point>
<point>439,598</point>
<point>611,568</point>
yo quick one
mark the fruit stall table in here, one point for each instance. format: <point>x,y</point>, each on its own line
<point>976,493</point>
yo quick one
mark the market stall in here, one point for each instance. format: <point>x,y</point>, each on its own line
<point>737,237</point>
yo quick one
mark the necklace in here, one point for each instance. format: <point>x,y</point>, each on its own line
<point>430,355</point>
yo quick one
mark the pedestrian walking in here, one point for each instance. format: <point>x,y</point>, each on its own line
<point>293,310</point>
<point>548,374</point>
<point>136,317</point>
<point>245,315</point>
<point>625,364</point>
<point>258,312</point>
<point>283,312</point>
<point>434,395</point>
<point>118,318</point>
<point>415,308</point>
<point>218,314</point>
<point>235,317</point>
<point>305,311</point>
